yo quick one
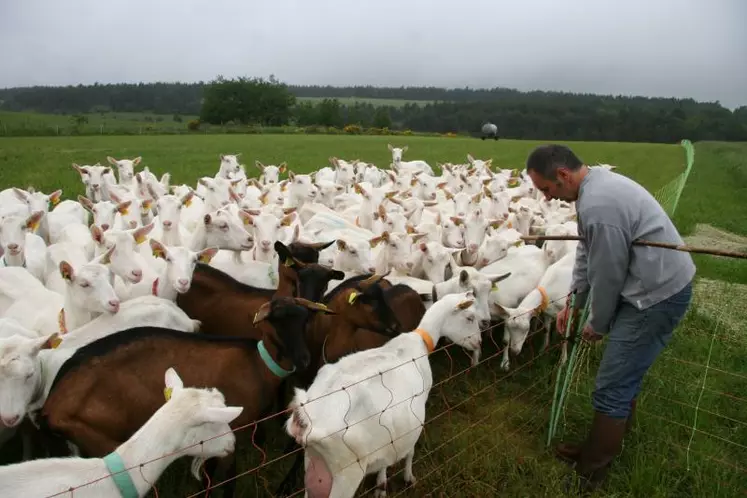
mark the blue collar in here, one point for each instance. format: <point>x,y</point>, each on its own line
<point>271,364</point>
<point>121,477</point>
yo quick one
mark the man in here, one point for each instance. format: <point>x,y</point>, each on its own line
<point>638,294</point>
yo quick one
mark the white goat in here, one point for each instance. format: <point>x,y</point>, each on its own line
<point>192,422</point>
<point>377,419</point>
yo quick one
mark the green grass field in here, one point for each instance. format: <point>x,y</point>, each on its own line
<point>490,441</point>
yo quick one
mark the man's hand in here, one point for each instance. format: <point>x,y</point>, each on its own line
<point>562,319</point>
<point>589,335</point>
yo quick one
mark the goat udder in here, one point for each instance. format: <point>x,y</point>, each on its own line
<point>318,479</point>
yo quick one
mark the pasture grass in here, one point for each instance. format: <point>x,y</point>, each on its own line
<point>486,429</point>
<point>104,122</point>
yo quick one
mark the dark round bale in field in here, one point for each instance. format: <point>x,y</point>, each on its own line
<point>489,130</point>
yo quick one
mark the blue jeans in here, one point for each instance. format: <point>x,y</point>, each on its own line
<point>635,339</point>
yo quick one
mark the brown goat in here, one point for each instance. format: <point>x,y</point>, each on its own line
<point>109,388</point>
<point>226,306</point>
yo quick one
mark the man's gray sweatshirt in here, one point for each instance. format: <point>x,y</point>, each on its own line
<point>613,211</point>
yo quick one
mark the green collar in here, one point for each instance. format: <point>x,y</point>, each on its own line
<point>121,477</point>
<point>274,367</point>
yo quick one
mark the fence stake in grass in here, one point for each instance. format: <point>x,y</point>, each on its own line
<point>568,368</point>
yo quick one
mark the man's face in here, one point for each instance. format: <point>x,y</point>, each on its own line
<point>560,188</point>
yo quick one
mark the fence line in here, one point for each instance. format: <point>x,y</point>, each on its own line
<point>286,411</point>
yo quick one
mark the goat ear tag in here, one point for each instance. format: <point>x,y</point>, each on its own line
<point>187,202</point>
<point>352,297</point>
<point>33,226</point>
<point>288,262</point>
<point>140,238</point>
<point>54,342</point>
<point>205,258</point>
<point>495,287</point>
<point>517,243</point>
<point>55,199</point>
<point>158,253</point>
<point>167,393</point>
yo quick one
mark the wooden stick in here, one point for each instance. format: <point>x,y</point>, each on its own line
<point>700,250</point>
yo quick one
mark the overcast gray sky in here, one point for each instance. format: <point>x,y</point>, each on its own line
<point>672,48</point>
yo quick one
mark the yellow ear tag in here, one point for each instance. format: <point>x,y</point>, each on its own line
<point>288,262</point>
<point>509,225</point>
<point>140,238</point>
<point>517,243</point>
<point>352,297</point>
<point>158,253</point>
<point>495,287</point>
<point>187,203</point>
<point>205,258</point>
<point>53,343</point>
<point>54,200</point>
<point>167,392</point>
<point>33,226</point>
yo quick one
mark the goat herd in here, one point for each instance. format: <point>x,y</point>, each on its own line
<point>179,314</point>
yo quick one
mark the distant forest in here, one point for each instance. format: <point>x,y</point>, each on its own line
<point>520,115</point>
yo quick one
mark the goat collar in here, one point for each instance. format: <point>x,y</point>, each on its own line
<point>61,321</point>
<point>120,476</point>
<point>4,264</point>
<point>545,300</point>
<point>154,289</point>
<point>272,364</point>
<point>427,339</point>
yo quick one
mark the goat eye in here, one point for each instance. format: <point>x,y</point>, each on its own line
<point>224,226</point>
<point>85,284</point>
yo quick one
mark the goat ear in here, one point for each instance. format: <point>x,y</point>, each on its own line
<point>32,222</point>
<point>111,160</point>
<point>206,255</point>
<point>96,234</point>
<point>375,241</point>
<point>259,165</point>
<point>67,272</point>
<point>312,305</point>
<point>106,258</point>
<point>501,311</point>
<point>141,233</point>
<point>50,341</point>
<point>86,202</point>
<point>262,313</point>
<point>223,414</point>
<point>20,194</point>
<point>159,251</point>
<point>464,304</point>
<point>287,219</point>
<point>137,160</point>
<point>283,166</point>
<point>341,244</point>
<point>145,205</point>
<point>404,149</point>
<point>173,383</point>
<point>246,217</point>
<point>318,246</point>
<point>123,207</point>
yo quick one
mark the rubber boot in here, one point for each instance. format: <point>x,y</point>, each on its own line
<point>569,452</point>
<point>599,450</point>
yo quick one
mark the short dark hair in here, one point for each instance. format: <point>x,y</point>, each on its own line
<point>546,159</point>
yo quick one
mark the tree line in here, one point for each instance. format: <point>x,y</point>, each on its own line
<point>521,115</point>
